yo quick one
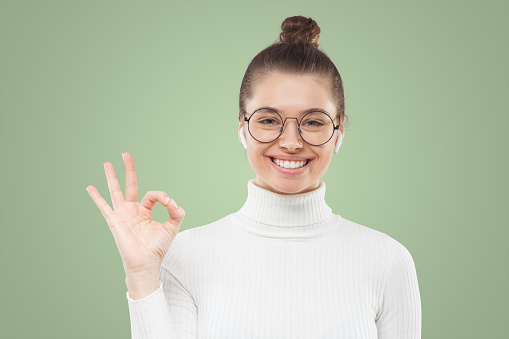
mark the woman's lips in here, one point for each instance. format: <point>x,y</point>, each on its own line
<point>289,171</point>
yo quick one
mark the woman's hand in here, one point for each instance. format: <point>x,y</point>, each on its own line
<point>141,241</point>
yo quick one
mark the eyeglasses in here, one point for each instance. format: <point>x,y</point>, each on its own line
<point>266,125</point>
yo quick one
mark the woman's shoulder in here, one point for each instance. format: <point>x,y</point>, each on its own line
<point>216,229</point>
<point>187,240</point>
<point>370,237</point>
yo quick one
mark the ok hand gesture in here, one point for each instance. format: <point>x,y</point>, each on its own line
<point>141,241</point>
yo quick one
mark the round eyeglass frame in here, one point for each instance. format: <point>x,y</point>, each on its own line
<point>298,125</point>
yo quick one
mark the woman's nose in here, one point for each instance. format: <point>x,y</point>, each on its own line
<point>290,137</point>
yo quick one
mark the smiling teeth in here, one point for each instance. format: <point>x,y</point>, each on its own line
<point>289,164</point>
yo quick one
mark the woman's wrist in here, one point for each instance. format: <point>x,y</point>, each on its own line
<point>140,286</point>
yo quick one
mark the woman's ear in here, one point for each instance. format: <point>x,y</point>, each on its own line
<point>341,135</point>
<point>338,142</point>
<point>242,137</point>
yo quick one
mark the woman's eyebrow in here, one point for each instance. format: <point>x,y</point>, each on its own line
<point>302,112</point>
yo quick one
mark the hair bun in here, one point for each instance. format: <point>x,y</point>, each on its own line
<point>299,29</point>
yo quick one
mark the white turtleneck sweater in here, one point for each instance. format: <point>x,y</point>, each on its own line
<point>283,266</point>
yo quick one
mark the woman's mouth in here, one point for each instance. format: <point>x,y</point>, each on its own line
<point>289,167</point>
<point>289,164</point>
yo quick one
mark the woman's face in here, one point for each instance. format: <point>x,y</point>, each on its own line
<point>289,95</point>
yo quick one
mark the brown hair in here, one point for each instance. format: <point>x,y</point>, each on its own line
<point>296,53</point>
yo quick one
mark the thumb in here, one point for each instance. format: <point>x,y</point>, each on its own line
<point>177,214</point>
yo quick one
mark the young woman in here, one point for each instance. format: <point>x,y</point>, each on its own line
<point>283,266</point>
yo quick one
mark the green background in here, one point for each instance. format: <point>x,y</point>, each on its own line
<point>424,159</point>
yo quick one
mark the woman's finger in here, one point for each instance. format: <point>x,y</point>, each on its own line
<point>116,193</point>
<point>151,198</point>
<point>131,184</point>
<point>177,215</point>
<point>100,202</point>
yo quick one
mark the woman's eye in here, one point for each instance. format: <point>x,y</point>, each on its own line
<point>268,121</point>
<point>314,123</point>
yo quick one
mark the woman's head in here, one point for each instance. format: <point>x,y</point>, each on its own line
<point>291,77</point>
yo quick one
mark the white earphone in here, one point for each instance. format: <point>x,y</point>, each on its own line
<point>338,143</point>
<point>242,138</point>
<point>336,149</point>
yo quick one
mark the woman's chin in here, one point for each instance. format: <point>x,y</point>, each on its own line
<point>284,186</point>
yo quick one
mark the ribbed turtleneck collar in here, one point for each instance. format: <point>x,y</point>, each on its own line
<point>285,215</point>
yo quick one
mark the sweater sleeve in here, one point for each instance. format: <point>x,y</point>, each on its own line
<point>399,316</point>
<point>169,312</point>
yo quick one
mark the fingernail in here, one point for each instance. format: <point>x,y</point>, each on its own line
<point>122,155</point>
<point>174,204</point>
<point>166,199</point>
